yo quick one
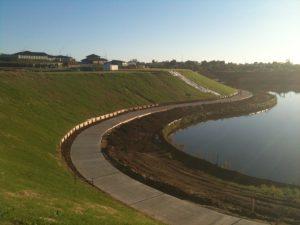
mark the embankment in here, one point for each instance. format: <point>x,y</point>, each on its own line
<point>36,110</point>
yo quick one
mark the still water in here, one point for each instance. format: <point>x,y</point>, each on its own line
<point>265,145</point>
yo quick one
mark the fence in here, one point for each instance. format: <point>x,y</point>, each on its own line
<point>100,118</point>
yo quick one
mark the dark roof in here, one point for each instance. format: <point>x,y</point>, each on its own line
<point>93,56</point>
<point>32,53</point>
<point>41,54</point>
<point>116,62</point>
<point>110,62</point>
<point>63,56</point>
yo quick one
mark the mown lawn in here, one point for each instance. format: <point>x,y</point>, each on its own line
<point>36,110</point>
<point>207,82</point>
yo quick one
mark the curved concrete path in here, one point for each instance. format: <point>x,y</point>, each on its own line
<point>89,161</point>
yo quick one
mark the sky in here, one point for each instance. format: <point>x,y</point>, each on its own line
<point>241,31</point>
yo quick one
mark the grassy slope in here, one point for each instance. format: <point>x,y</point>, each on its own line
<point>36,109</point>
<point>258,81</point>
<point>206,82</point>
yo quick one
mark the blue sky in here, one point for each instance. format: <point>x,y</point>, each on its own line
<point>231,30</point>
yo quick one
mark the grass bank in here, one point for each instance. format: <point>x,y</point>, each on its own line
<point>206,82</point>
<point>36,110</point>
<point>258,81</point>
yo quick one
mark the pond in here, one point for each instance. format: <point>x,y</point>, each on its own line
<point>265,145</point>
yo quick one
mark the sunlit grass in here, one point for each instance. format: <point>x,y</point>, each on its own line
<point>36,110</point>
<point>206,82</point>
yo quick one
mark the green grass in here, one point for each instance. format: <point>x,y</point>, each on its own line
<point>36,110</point>
<point>206,82</point>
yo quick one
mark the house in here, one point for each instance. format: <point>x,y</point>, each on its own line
<point>65,59</point>
<point>120,63</point>
<point>41,56</point>
<point>132,63</point>
<point>109,66</point>
<point>28,55</point>
<point>94,59</point>
<point>135,64</point>
<point>37,59</point>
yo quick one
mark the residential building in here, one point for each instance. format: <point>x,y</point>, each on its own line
<point>28,55</point>
<point>65,59</point>
<point>120,63</point>
<point>135,64</point>
<point>37,58</point>
<point>93,59</point>
<point>108,66</point>
<point>132,63</point>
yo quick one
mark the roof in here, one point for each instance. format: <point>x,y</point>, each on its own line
<point>63,56</point>
<point>42,54</point>
<point>110,62</point>
<point>32,53</point>
<point>93,56</point>
<point>116,61</point>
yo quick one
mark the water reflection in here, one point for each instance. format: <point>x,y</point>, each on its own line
<point>265,145</point>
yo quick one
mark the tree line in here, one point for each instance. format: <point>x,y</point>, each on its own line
<point>222,66</point>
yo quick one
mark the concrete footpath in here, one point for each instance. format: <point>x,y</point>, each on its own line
<point>87,158</point>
